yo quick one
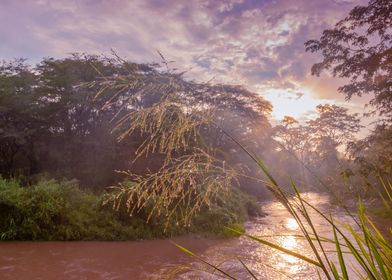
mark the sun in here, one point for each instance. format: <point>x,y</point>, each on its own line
<point>298,103</point>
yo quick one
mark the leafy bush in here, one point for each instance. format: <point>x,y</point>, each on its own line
<point>52,210</point>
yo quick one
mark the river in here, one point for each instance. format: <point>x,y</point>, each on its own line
<point>156,259</point>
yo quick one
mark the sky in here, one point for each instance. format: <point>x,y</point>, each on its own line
<point>255,43</point>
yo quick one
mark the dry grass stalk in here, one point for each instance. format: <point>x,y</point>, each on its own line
<point>178,190</point>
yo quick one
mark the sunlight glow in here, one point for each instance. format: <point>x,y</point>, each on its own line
<point>290,262</point>
<point>289,242</point>
<point>299,103</point>
<point>292,224</point>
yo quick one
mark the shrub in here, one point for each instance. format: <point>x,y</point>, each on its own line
<point>60,210</point>
<point>51,210</point>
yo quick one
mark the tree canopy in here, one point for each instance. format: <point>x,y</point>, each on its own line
<point>359,48</point>
<point>85,117</point>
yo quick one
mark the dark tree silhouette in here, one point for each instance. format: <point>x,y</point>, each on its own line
<point>359,48</point>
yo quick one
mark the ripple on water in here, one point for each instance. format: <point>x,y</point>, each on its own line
<point>280,228</point>
<point>154,258</point>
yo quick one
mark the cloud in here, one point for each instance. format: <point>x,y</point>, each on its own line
<point>256,43</point>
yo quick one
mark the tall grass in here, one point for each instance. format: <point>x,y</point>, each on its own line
<point>369,248</point>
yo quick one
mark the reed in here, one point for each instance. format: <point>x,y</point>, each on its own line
<point>369,247</point>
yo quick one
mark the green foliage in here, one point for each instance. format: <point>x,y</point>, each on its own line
<point>88,116</point>
<point>51,210</point>
<point>231,211</point>
<point>373,153</point>
<point>65,117</point>
<point>309,151</point>
<point>48,123</point>
<point>179,124</point>
<point>178,191</point>
<point>358,48</point>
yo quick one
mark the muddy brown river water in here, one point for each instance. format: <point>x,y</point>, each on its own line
<point>156,259</point>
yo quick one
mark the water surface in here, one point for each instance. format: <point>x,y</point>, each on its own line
<point>155,259</point>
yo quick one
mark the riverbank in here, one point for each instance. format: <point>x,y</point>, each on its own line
<point>52,210</point>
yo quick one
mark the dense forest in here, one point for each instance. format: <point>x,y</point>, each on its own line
<point>153,136</point>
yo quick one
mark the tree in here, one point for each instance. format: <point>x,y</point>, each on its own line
<point>331,133</point>
<point>334,127</point>
<point>86,116</point>
<point>373,153</point>
<point>50,123</point>
<point>19,120</point>
<point>359,48</point>
<point>292,152</point>
<point>77,142</point>
<point>314,146</point>
<point>293,137</point>
<point>334,123</point>
<point>179,124</point>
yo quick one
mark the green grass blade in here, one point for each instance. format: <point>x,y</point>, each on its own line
<point>387,191</point>
<point>309,220</point>
<point>359,258</point>
<point>334,271</point>
<point>340,256</point>
<point>379,261</point>
<point>349,244</point>
<point>184,249</point>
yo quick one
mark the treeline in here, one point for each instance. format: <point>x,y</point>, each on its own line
<point>59,117</point>
<point>169,147</point>
<point>51,123</point>
<point>87,117</point>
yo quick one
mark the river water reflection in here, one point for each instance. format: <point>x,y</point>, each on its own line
<point>155,259</point>
<point>280,228</point>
